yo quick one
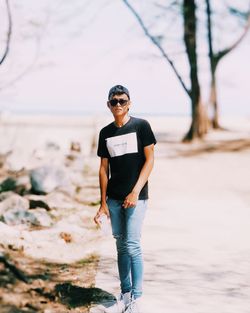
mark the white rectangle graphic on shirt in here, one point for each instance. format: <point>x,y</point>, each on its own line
<point>123,144</point>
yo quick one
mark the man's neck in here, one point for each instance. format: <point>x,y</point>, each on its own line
<point>121,120</point>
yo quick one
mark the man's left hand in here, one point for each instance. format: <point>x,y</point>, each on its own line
<point>131,200</point>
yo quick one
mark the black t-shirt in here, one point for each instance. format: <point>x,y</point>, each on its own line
<point>124,147</point>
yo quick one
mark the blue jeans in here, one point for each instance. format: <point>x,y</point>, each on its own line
<point>126,229</point>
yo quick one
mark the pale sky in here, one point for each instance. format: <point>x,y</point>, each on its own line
<point>86,47</point>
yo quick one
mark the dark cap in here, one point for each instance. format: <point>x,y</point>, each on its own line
<point>118,89</point>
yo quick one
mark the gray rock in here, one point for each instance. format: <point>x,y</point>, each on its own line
<point>14,210</point>
<point>50,145</point>
<point>13,202</point>
<point>17,216</point>
<point>47,178</point>
<point>37,218</point>
<point>42,218</point>
<point>7,194</point>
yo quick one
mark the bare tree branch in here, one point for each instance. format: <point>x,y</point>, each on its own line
<point>158,45</point>
<point>9,83</point>
<point>25,71</point>
<point>9,33</point>
<point>225,51</point>
<point>167,7</point>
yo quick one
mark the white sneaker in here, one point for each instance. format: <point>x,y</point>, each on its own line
<point>121,304</point>
<point>134,306</point>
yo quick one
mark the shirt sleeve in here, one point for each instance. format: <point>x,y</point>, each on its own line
<point>102,150</point>
<point>146,134</point>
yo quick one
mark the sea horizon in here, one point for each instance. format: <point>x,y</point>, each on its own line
<point>85,113</point>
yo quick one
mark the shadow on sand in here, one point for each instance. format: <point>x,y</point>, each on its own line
<point>171,147</point>
<point>75,296</point>
<point>235,145</point>
<point>28,285</point>
<point>14,309</point>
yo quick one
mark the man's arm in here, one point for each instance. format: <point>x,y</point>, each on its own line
<point>103,182</point>
<point>131,199</point>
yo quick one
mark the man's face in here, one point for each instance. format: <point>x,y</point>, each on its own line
<point>119,104</point>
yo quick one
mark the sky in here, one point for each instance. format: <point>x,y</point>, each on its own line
<point>75,51</point>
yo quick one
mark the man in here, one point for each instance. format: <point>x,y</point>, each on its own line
<point>126,148</point>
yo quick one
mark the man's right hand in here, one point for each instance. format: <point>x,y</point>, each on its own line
<point>102,210</point>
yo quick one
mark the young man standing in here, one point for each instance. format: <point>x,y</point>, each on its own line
<point>126,148</point>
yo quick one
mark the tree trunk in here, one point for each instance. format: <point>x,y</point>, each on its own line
<point>199,123</point>
<point>214,120</point>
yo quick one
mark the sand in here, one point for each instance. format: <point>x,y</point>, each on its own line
<point>197,228</point>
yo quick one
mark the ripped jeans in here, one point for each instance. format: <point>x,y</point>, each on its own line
<point>126,229</point>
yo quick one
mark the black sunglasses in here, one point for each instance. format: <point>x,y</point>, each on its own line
<point>122,102</point>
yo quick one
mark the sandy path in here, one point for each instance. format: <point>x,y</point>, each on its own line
<point>195,238</point>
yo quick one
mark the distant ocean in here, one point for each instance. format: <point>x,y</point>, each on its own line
<point>81,112</point>
<point>76,112</point>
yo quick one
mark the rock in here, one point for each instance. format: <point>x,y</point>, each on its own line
<point>49,153</point>
<point>59,201</point>
<point>7,194</point>
<point>75,146</point>
<point>17,161</point>
<point>36,218</point>
<point>3,158</point>
<point>47,178</point>
<point>48,244</point>
<point>75,161</point>
<point>38,204</point>
<point>14,210</point>
<point>77,179</point>
<point>23,184</point>
<point>50,145</point>
<point>8,184</point>
<point>10,236</point>
<point>16,217</point>
<point>20,185</point>
<point>13,202</point>
<point>42,218</point>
